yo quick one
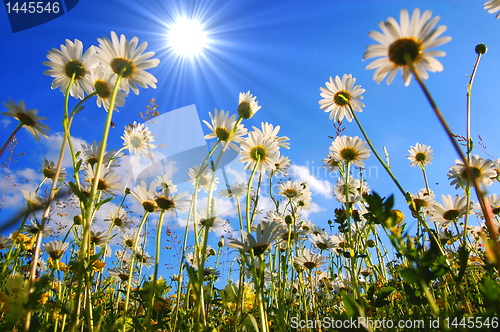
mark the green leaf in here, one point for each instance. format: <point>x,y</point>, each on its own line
<point>463,258</point>
<point>382,295</point>
<point>350,305</point>
<point>409,275</point>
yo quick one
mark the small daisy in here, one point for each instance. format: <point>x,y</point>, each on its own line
<point>48,170</point>
<point>223,128</point>
<point>109,180</point>
<point>146,196</point>
<point>350,150</point>
<point>409,40</point>
<point>126,59</point>
<point>451,210</point>
<point>493,6</point>
<point>137,139</point>
<point>89,154</point>
<point>483,172</point>
<point>340,96</point>
<point>324,241</point>
<point>282,165</point>
<point>202,178</point>
<point>143,258</point>
<point>122,275</point>
<point>420,155</point>
<point>247,105</point>
<point>172,202</point>
<point>56,249</point>
<point>268,130</point>
<point>330,163</point>
<point>5,242</point>
<point>310,260</point>
<point>261,150</point>
<point>32,198</point>
<point>101,81</point>
<point>35,228</point>
<point>266,234</point>
<point>423,200</point>
<point>27,118</point>
<point>164,182</point>
<point>97,238</point>
<point>214,223</point>
<point>290,190</point>
<point>494,202</point>
<point>128,239</point>
<point>119,218</point>
<point>357,189</point>
<point>68,61</point>
<point>236,191</point>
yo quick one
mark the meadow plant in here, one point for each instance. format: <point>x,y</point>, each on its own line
<point>279,271</point>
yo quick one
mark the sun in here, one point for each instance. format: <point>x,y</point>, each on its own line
<point>187,37</point>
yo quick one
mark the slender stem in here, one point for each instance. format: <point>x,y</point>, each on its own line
<point>10,138</point>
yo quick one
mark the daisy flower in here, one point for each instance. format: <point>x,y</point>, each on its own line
<point>164,182</point>
<point>310,260</point>
<point>48,170</point>
<point>223,128</point>
<point>89,154</point>
<point>101,81</point>
<point>202,178</point>
<point>27,118</point>
<point>172,202</point>
<point>238,190</point>
<point>268,130</point>
<point>324,241</point>
<point>494,201</point>
<point>247,105</point>
<point>350,150</point>
<point>266,234</point>
<point>137,139</point>
<point>423,200</point>
<point>5,242</point>
<point>260,150</point>
<point>119,218</point>
<point>410,41</point>
<point>451,210</point>
<point>483,172</point>
<point>68,61</point>
<point>340,96</point>
<point>97,238</point>
<point>357,189</point>
<point>143,258</point>
<point>420,155</point>
<point>56,249</point>
<point>109,180</point>
<point>126,59</point>
<point>282,165</point>
<point>493,6</point>
<point>146,196</point>
<point>212,222</point>
<point>290,190</point>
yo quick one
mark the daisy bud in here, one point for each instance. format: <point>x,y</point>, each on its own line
<point>481,49</point>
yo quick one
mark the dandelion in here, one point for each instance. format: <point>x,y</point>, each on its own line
<point>340,96</point>
<point>257,149</point>
<point>27,118</point>
<point>492,6</point>
<point>137,139</point>
<point>70,62</point>
<point>101,81</point>
<point>448,212</point>
<point>406,42</point>
<point>247,105</point>
<point>56,249</point>
<point>482,171</point>
<point>350,150</point>
<point>224,128</point>
<point>309,260</point>
<point>126,59</point>
<point>420,155</point>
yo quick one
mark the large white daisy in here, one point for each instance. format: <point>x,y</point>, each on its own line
<point>348,149</point>
<point>137,139</point>
<point>125,58</point>
<point>68,61</point>
<point>410,39</point>
<point>28,118</point>
<point>483,171</point>
<point>338,95</point>
<point>102,83</point>
<point>420,155</point>
<point>223,128</point>
<point>449,211</point>
<point>260,149</point>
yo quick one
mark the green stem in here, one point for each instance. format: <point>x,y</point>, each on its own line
<point>10,138</point>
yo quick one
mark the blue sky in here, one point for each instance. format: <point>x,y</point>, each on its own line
<point>282,51</point>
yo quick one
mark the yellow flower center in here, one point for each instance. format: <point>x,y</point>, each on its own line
<point>74,67</point>
<point>405,47</point>
<point>420,157</point>
<point>123,66</point>
<point>348,154</point>
<point>165,203</point>
<point>149,206</point>
<point>342,98</point>
<point>258,153</point>
<point>25,119</point>
<point>222,133</point>
<point>475,171</point>
<point>310,265</point>
<point>451,215</point>
<point>102,89</point>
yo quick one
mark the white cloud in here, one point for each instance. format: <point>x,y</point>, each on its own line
<point>322,187</point>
